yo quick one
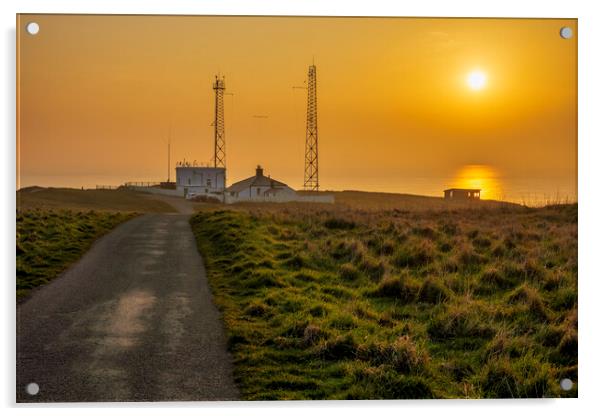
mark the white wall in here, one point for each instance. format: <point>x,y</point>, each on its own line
<point>285,195</point>
<point>158,191</point>
<point>211,178</point>
<point>199,180</point>
<point>251,194</point>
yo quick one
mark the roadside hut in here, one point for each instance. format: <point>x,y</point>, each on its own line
<point>462,194</point>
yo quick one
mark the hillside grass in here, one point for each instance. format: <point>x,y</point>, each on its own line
<point>383,201</point>
<point>120,200</point>
<point>49,241</point>
<point>340,303</point>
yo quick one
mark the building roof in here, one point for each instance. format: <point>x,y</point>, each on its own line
<point>462,189</point>
<point>199,168</point>
<point>257,180</point>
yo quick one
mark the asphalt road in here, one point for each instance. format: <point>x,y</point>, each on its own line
<point>133,320</point>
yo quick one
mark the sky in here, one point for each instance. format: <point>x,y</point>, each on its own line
<point>408,105</point>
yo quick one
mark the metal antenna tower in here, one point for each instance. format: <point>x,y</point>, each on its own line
<point>310,182</point>
<point>219,157</point>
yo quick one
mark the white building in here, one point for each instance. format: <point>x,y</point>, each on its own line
<point>260,188</point>
<point>200,181</point>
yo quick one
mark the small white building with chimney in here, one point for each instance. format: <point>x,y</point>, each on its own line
<point>261,188</point>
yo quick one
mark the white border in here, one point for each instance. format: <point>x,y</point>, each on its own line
<point>590,200</point>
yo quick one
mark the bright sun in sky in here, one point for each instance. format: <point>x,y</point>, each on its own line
<point>476,80</point>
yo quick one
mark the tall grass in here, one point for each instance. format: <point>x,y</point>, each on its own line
<point>343,303</point>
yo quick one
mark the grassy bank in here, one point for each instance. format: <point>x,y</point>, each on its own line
<point>49,241</point>
<point>89,199</point>
<point>335,303</point>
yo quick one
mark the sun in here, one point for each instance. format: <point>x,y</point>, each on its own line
<point>476,80</point>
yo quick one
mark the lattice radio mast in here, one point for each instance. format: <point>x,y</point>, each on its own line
<point>310,182</point>
<point>219,158</point>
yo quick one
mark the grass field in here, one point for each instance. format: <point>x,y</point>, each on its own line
<point>341,302</point>
<point>49,241</point>
<point>89,199</point>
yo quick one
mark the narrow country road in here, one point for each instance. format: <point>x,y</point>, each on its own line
<point>133,320</point>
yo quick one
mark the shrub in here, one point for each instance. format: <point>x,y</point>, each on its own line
<point>414,254</point>
<point>449,228</point>
<point>342,321</point>
<point>312,334</point>
<point>481,242</point>
<point>569,341</point>
<point>492,279</point>
<point>426,232</point>
<point>296,262</point>
<point>460,368</point>
<point>348,272</point>
<point>433,291</point>
<point>382,383</point>
<point>530,297</point>
<point>505,344</point>
<point>499,380</point>
<point>563,299</point>
<point>509,243</point>
<point>498,250</point>
<point>472,233</point>
<point>294,326</point>
<point>318,311</point>
<point>372,267</point>
<point>339,224</point>
<point>256,308</point>
<point>402,354</point>
<point>467,258</point>
<point>262,278</point>
<point>465,320</point>
<point>353,250</point>
<point>339,348</point>
<point>400,287</point>
<point>381,246</point>
<point>305,277</point>
<point>552,280</point>
<point>445,247</point>
<point>532,269</point>
<point>513,271</point>
<point>525,377</point>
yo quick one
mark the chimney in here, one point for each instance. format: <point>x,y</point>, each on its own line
<point>259,171</point>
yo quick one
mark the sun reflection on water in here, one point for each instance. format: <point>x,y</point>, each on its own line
<point>483,177</point>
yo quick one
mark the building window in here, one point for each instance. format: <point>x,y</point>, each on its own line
<point>209,182</point>
<point>188,181</point>
<point>257,191</point>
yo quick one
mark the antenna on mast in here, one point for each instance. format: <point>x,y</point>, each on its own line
<point>169,155</point>
<point>219,133</point>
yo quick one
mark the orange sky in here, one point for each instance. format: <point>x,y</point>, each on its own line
<point>97,95</point>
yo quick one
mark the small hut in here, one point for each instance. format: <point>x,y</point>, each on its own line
<point>462,194</point>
